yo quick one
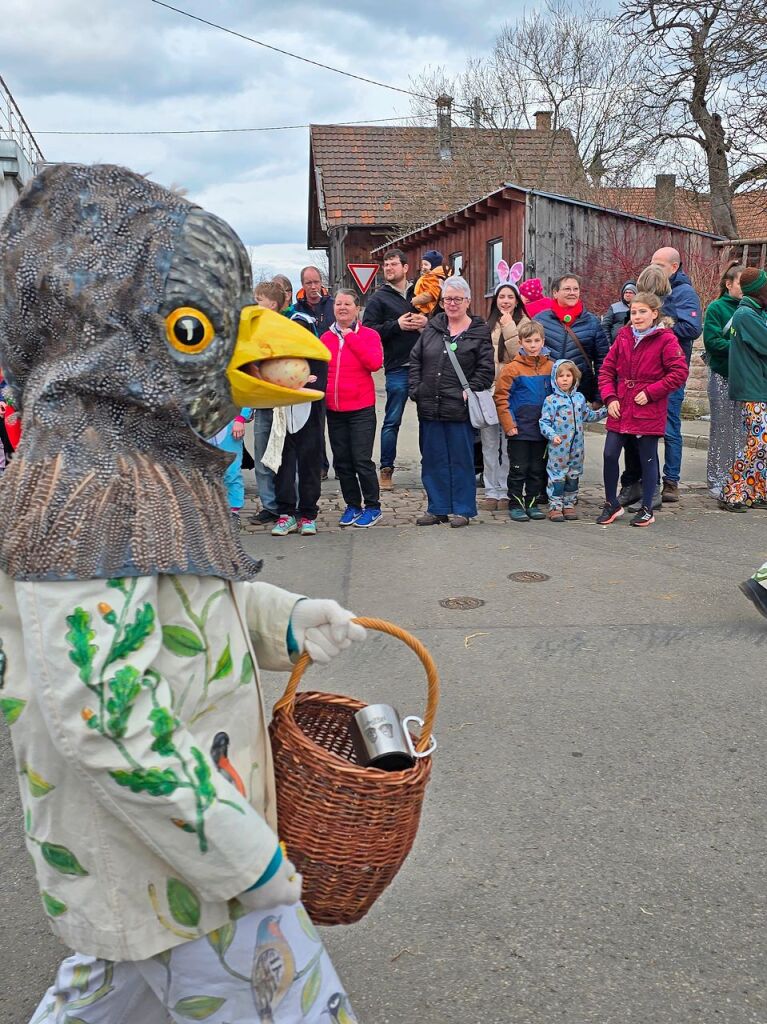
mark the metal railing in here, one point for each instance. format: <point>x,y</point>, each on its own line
<point>14,127</point>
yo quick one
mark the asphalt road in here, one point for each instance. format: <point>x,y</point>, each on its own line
<point>592,846</point>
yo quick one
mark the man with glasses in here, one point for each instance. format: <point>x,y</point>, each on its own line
<point>391,314</point>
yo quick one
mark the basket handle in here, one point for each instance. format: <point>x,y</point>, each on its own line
<point>287,701</point>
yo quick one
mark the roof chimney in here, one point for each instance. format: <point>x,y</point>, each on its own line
<point>665,197</point>
<point>445,127</point>
<point>542,120</point>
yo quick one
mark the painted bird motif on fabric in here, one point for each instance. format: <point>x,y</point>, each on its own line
<point>274,968</point>
<point>339,1009</point>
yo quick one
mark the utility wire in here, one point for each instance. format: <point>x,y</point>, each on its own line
<point>222,131</point>
<point>287,53</point>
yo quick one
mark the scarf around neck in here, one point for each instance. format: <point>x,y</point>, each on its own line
<point>567,314</point>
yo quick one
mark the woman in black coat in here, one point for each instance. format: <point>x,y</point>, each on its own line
<point>446,434</point>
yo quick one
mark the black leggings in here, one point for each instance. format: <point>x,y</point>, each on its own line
<point>647,446</point>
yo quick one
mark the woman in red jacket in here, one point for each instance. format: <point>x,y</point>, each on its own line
<point>644,365</point>
<point>355,354</point>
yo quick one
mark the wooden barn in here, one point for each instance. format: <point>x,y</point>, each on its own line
<point>552,234</point>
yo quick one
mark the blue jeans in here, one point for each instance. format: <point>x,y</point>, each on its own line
<point>262,426</point>
<point>447,467</point>
<point>672,465</point>
<point>396,397</point>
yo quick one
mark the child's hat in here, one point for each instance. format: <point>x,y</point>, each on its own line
<point>532,289</point>
<point>433,257</point>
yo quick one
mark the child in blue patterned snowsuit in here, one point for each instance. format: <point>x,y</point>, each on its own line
<point>562,417</point>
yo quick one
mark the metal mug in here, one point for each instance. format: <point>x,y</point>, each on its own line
<point>382,740</point>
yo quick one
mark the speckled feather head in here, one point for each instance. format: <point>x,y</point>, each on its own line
<point>112,477</point>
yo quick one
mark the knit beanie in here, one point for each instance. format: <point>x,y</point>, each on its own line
<point>531,289</point>
<point>752,280</point>
<point>433,257</point>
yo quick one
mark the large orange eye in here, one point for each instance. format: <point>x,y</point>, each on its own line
<point>189,330</point>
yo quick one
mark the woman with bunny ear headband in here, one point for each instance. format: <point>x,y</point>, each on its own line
<point>507,312</point>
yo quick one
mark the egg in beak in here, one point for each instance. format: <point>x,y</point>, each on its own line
<point>265,335</point>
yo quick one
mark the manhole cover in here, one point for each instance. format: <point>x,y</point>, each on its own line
<point>529,577</point>
<point>461,603</point>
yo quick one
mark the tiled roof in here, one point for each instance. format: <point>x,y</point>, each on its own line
<point>692,209</point>
<point>393,175</point>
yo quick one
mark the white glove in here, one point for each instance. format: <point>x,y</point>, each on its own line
<point>284,887</point>
<point>323,629</point>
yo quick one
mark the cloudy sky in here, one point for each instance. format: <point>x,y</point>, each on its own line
<point>130,65</point>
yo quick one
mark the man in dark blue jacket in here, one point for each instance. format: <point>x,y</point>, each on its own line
<point>314,300</point>
<point>688,326</point>
<point>574,333</point>
<point>684,308</point>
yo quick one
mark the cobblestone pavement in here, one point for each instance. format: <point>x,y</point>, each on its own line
<point>403,505</point>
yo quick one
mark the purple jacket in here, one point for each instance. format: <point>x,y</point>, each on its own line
<point>657,366</point>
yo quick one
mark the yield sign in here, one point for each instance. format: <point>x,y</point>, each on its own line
<point>363,273</point>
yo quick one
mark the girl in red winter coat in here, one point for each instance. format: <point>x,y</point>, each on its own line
<point>355,354</point>
<point>644,365</point>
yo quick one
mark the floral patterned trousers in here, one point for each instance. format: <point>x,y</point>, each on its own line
<point>747,479</point>
<point>267,966</point>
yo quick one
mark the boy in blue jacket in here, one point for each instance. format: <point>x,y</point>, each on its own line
<point>562,417</point>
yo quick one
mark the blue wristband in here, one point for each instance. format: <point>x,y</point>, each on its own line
<point>271,870</point>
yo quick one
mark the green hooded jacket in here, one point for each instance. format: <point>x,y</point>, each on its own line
<point>716,333</point>
<point>748,353</point>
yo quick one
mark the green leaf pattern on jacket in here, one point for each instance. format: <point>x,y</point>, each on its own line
<point>116,690</point>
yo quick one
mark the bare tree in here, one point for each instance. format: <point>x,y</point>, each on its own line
<point>564,59</point>
<point>703,107</point>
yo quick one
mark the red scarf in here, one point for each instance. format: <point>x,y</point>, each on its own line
<point>571,312</point>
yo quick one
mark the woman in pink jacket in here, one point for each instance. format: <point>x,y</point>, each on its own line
<point>644,365</point>
<point>355,354</point>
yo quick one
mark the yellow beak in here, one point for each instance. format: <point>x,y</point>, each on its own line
<point>266,335</point>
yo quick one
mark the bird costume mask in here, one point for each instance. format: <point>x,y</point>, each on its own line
<point>126,336</point>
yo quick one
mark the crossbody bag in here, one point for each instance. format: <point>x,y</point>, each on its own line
<point>482,410</point>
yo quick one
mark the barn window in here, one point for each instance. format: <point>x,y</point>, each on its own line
<point>494,256</point>
<point>456,262</point>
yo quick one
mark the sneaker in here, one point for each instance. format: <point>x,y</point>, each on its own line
<point>306,527</point>
<point>629,494</point>
<point>284,526</point>
<point>458,521</point>
<point>534,512</point>
<point>369,517</point>
<point>263,517</point>
<point>427,519</point>
<point>657,502</point>
<point>385,475</point>
<point>756,593</point>
<point>609,514</point>
<point>570,514</point>
<point>556,515</point>
<point>644,517</point>
<point>350,516</point>
<point>670,491</point>
<point>518,515</point>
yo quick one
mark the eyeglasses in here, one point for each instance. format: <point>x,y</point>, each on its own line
<point>456,298</point>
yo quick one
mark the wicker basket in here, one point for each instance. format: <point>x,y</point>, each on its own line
<point>348,829</point>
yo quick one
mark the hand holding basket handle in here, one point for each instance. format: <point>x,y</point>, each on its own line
<point>322,629</point>
<point>348,828</point>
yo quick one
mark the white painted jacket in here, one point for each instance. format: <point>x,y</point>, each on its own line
<point>141,742</point>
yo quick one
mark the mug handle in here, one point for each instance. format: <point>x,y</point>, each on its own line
<point>409,739</point>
